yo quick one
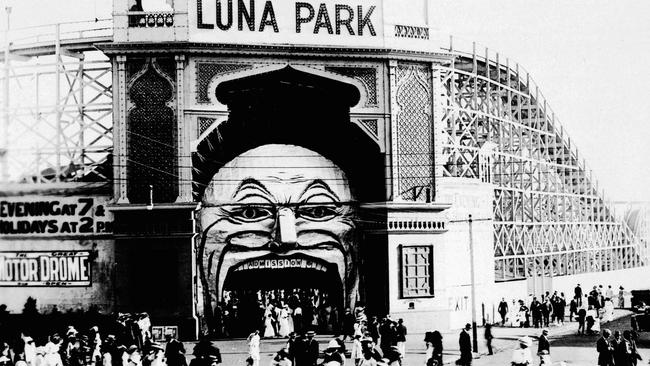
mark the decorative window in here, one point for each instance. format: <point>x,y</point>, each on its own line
<point>416,265</point>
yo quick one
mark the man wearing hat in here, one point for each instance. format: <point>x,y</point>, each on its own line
<point>465,343</point>
<point>281,358</point>
<point>135,359</point>
<point>174,351</point>
<point>393,356</point>
<point>369,348</point>
<point>155,355</point>
<point>522,356</point>
<point>605,349</point>
<point>543,344</point>
<point>310,350</point>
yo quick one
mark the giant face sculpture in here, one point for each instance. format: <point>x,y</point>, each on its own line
<point>275,207</point>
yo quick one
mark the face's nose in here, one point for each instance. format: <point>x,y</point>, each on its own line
<point>285,234</point>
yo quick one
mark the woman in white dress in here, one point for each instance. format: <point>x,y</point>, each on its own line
<point>254,347</point>
<point>269,332</point>
<point>291,328</point>
<point>608,314</point>
<point>283,328</point>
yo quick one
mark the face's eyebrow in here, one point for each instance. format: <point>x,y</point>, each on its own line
<point>319,183</point>
<point>253,184</point>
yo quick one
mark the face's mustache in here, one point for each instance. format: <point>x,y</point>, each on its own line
<point>274,246</point>
<point>259,239</point>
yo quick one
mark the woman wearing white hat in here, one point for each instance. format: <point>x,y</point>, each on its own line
<point>522,355</point>
<point>52,355</point>
<point>332,355</point>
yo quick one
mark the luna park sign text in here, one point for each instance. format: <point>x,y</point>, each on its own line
<point>269,16</point>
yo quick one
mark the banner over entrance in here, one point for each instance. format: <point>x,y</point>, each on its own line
<point>310,22</point>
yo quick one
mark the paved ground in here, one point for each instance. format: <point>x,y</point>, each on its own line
<point>573,349</point>
<point>566,345</point>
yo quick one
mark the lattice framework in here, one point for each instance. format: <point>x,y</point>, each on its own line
<point>56,109</point>
<point>549,217</point>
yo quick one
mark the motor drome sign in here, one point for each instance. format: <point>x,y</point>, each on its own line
<point>325,22</point>
<point>45,269</point>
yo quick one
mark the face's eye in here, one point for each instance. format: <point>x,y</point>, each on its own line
<point>252,213</point>
<point>317,213</point>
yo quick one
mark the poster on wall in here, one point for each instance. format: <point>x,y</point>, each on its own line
<point>54,216</point>
<point>159,333</point>
<point>45,269</point>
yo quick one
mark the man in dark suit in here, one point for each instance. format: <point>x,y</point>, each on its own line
<point>465,343</point>
<point>503,310</point>
<point>578,294</point>
<point>293,347</point>
<point>543,343</point>
<point>536,310</point>
<point>310,350</point>
<point>605,349</point>
<point>174,352</point>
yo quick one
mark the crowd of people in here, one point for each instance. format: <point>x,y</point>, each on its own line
<point>276,312</point>
<point>374,342</point>
<point>89,348</point>
<point>621,350</point>
<point>589,309</point>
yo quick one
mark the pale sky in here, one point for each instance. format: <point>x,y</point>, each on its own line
<point>588,57</point>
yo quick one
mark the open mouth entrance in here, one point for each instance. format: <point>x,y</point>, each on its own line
<point>278,295</point>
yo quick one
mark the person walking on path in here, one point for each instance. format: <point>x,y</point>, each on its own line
<point>488,338</point>
<point>465,345</point>
<point>547,309</point>
<point>310,350</point>
<point>254,347</point>
<point>622,350</point>
<point>400,336</point>
<point>174,352</point>
<point>605,349</point>
<point>578,294</point>
<point>348,324</point>
<point>536,310</point>
<point>634,353</point>
<point>621,297</point>
<point>543,343</point>
<point>573,309</point>
<point>503,310</point>
<point>522,355</point>
<point>582,315</point>
<point>433,341</point>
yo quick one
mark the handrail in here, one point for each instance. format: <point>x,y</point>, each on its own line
<point>76,30</point>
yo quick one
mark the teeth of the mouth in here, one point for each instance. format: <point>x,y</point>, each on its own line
<point>281,263</point>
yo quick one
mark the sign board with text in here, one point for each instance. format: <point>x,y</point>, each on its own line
<point>45,268</point>
<point>54,216</point>
<point>308,22</point>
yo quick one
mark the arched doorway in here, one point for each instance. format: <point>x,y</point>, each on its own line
<point>299,293</point>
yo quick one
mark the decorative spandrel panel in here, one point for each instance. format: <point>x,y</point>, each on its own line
<point>207,71</point>
<point>414,155</point>
<point>368,78</point>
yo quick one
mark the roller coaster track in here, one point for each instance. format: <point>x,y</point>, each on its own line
<point>56,103</point>
<point>73,37</point>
